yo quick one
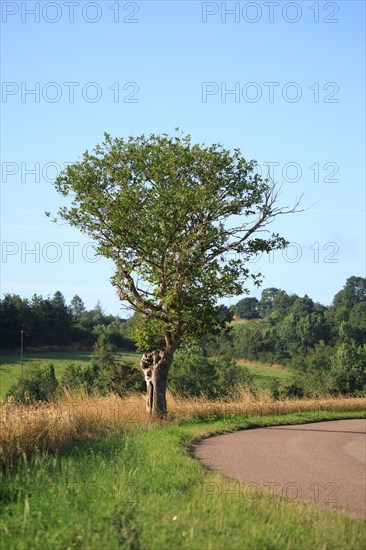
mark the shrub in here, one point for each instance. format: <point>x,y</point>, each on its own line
<point>193,375</point>
<point>102,377</point>
<point>294,390</point>
<point>348,368</point>
<point>40,385</point>
<point>73,377</point>
<point>120,377</point>
<point>275,388</point>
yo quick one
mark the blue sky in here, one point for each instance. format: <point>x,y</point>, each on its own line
<point>297,75</point>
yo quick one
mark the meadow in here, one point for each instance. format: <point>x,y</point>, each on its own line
<point>10,367</point>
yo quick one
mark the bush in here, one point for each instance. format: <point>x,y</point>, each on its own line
<point>120,377</point>
<point>294,390</point>
<point>73,376</point>
<point>348,368</point>
<point>193,375</point>
<point>275,388</point>
<point>313,372</point>
<point>40,385</point>
<point>105,376</point>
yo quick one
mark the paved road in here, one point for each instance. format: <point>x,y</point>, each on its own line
<point>322,463</point>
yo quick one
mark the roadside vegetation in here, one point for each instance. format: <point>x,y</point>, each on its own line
<point>35,429</point>
<point>122,492</point>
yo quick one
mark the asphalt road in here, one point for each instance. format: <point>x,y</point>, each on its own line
<point>322,463</point>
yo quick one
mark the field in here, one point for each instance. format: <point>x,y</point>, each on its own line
<point>263,373</point>
<point>122,492</point>
<point>10,367</point>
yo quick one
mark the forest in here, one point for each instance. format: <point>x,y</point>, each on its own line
<point>51,322</point>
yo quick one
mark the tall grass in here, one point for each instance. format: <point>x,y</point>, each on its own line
<point>29,430</point>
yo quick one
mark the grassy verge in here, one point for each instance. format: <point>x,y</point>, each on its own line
<point>140,489</point>
<point>30,430</point>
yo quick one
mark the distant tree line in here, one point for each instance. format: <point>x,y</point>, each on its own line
<point>325,346</point>
<point>52,322</point>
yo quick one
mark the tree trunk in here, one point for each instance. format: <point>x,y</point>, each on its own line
<point>156,365</point>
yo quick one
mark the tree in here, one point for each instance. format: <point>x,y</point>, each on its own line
<point>77,307</point>
<point>266,301</point>
<point>348,368</point>
<point>247,308</point>
<point>180,222</point>
<point>353,292</point>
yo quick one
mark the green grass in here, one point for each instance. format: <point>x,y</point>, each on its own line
<point>140,489</point>
<point>262,375</point>
<point>10,364</point>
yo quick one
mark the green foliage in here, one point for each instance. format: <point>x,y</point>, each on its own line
<point>105,373</point>
<point>194,375</point>
<point>119,377</point>
<point>265,303</point>
<point>323,346</point>
<point>275,388</point>
<point>40,385</point>
<point>122,378</point>
<point>50,322</point>
<point>357,321</point>
<point>77,307</point>
<point>104,350</point>
<point>348,368</point>
<point>73,376</point>
<point>157,207</point>
<point>247,308</point>
<point>353,292</point>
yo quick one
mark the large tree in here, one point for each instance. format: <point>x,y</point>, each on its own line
<point>180,222</point>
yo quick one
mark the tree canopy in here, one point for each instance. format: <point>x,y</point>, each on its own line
<point>157,207</point>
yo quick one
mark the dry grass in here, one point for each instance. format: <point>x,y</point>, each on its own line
<point>47,428</point>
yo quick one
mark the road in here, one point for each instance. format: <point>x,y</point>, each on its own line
<point>322,463</point>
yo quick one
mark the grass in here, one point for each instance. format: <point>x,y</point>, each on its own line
<point>10,364</point>
<point>263,373</point>
<point>29,431</point>
<point>123,492</point>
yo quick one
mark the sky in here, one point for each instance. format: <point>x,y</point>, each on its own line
<point>283,81</point>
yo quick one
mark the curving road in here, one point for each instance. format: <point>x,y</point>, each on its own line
<point>322,463</point>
